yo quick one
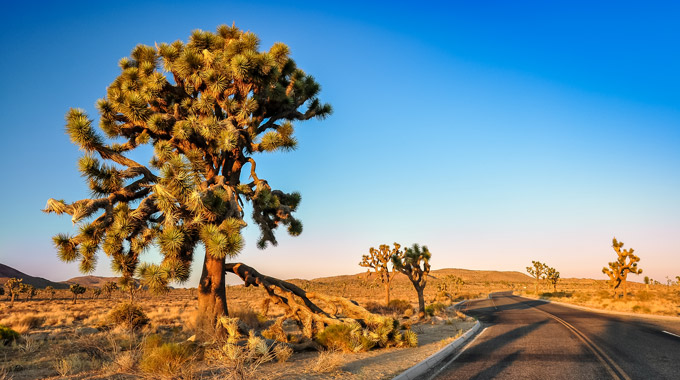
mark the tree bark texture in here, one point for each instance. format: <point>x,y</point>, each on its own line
<point>212,297</point>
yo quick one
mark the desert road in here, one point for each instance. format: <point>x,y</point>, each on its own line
<point>529,339</point>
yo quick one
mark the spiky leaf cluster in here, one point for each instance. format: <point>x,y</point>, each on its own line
<point>206,107</point>
<point>409,263</point>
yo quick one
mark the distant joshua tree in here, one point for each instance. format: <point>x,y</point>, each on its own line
<point>618,270</point>
<point>409,264</point>
<point>76,289</point>
<point>455,281</point>
<point>50,290</point>
<point>378,260</point>
<point>96,292</point>
<point>647,282</point>
<point>538,272</point>
<point>109,288</point>
<point>13,286</point>
<point>552,276</point>
<point>31,292</point>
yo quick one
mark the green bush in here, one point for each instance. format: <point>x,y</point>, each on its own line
<point>7,335</point>
<point>337,337</point>
<point>129,316</point>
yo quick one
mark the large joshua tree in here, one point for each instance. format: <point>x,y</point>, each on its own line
<point>538,271</point>
<point>378,260</point>
<point>207,108</point>
<point>408,263</point>
<point>625,263</point>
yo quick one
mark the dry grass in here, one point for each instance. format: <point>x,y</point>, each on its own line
<point>327,361</point>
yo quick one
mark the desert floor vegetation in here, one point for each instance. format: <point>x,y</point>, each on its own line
<point>641,298</point>
<point>102,338</point>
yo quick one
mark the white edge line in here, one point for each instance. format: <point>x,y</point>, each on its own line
<point>457,355</point>
<point>430,362</point>
<point>670,333</point>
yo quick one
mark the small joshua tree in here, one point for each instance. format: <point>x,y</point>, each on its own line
<point>647,282</point>
<point>378,260</point>
<point>538,272</point>
<point>31,292</point>
<point>96,292</point>
<point>13,286</point>
<point>50,290</point>
<point>552,276</point>
<point>76,289</point>
<point>409,264</point>
<point>109,288</point>
<point>618,270</point>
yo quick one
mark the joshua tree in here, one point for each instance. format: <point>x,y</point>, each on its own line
<point>207,108</point>
<point>13,286</point>
<point>379,260</point>
<point>76,289</point>
<point>538,272</point>
<point>552,276</point>
<point>50,290</point>
<point>409,264</point>
<point>109,288</point>
<point>618,270</point>
<point>96,292</point>
<point>647,282</point>
<point>31,291</point>
<point>2,291</point>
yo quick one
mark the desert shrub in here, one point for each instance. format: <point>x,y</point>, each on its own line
<point>169,360</point>
<point>336,337</point>
<point>434,308</point>
<point>7,335</point>
<point>129,316</point>
<point>644,296</point>
<point>252,319</point>
<point>282,353</point>
<point>327,361</point>
<point>394,307</point>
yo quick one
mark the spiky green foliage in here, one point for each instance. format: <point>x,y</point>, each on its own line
<point>537,271</point>
<point>409,263</point>
<point>618,270</point>
<point>207,108</point>
<point>7,335</point>
<point>77,290</point>
<point>378,260</point>
<point>552,276</point>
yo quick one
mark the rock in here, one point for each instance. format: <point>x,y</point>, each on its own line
<point>191,338</point>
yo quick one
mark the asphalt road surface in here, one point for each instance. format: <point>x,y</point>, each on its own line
<point>529,339</point>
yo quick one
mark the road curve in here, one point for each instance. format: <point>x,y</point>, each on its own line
<point>530,339</point>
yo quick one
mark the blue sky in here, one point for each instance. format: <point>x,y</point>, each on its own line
<point>496,134</point>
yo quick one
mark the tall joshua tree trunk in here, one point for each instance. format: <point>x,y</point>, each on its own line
<point>387,294</point>
<point>212,297</point>
<point>421,299</point>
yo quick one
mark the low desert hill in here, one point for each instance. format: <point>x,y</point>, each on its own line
<point>467,275</point>
<point>91,281</point>
<point>7,272</point>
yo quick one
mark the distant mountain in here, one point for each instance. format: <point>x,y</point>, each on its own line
<point>7,272</point>
<point>91,281</point>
